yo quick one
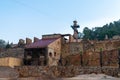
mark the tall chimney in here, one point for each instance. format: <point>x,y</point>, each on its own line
<point>21,41</point>
<point>28,41</point>
<point>36,39</point>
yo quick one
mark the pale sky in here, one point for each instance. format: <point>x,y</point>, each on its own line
<point>29,18</point>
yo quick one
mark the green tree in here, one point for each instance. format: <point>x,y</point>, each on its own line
<point>87,33</point>
<point>99,33</point>
<point>2,43</point>
<point>8,45</point>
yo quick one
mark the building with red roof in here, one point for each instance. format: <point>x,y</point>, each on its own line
<point>45,51</point>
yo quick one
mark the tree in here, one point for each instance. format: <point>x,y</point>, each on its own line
<point>87,33</point>
<point>99,33</point>
<point>80,35</point>
<point>8,45</point>
<point>2,43</point>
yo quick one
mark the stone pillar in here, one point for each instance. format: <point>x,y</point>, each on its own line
<point>42,60</point>
<point>21,43</point>
<point>36,39</point>
<point>28,41</point>
<point>71,38</point>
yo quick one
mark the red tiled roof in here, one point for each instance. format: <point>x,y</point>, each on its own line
<point>41,43</point>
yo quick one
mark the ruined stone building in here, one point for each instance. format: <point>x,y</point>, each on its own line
<point>45,51</point>
<point>65,50</point>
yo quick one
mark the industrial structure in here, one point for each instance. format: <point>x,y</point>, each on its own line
<point>56,49</point>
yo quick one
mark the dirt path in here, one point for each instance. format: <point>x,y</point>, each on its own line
<point>92,77</point>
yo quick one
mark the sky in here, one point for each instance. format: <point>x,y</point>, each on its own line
<point>34,18</point>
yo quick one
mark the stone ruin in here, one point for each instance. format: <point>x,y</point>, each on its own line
<point>89,51</point>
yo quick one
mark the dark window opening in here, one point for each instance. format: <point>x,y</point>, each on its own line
<point>54,53</point>
<point>50,54</point>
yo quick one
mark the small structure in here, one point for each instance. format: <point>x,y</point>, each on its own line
<point>45,51</point>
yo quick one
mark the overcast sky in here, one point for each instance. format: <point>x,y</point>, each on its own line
<point>29,18</point>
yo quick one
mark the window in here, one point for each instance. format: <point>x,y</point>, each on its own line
<point>50,54</point>
<point>54,53</point>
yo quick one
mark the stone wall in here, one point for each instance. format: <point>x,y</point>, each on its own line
<point>56,46</point>
<point>55,50</point>
<point>63,71</point>
<point>89,46</point>
<point>8,73</point>
<point>13,52</point>
<point>51,36</point>
<point>90,51</point>
<point>109,58</point>
<point>11,61</point>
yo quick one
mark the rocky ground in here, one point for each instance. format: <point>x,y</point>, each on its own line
<point>92,77</point>
<point>79,77</point>
<point>7,73</point>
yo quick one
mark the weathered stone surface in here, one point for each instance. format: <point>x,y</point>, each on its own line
<point>15,52</point>
<point>109,58</point>
<point>90,51</point>
<point>7,72</point>
<point>63,71</point>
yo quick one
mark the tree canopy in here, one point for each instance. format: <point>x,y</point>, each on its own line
<point>99,33</point>
<point>4,44</point>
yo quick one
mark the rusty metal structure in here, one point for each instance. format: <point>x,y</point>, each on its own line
<point>74,27</point>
